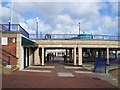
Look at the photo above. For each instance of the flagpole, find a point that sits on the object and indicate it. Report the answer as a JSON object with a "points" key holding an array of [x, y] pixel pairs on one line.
{"points": [[79, 27], [11, 14]]}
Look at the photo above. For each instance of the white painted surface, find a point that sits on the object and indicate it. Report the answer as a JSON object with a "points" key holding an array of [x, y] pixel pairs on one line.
{"points": [[65, 74], [86, 72], [70, 67], [39, 71], [4, 41], [42, 56], [8, 66], [21, 58], [42, 66]]}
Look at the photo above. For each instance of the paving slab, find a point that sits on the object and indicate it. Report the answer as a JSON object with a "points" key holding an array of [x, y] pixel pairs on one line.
{"points": [[65, 74], [39, 71]]}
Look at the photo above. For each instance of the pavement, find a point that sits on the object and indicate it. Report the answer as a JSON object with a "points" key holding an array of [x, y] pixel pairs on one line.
{"points": [[106, 76], [58, 75]]}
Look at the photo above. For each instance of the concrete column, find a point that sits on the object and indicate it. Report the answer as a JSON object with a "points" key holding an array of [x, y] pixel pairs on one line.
{"points": [[26, 57], [104, 54], [21, 58], [93, 54], [30, 56], [108, 56], [43, 56], [75, 56], [36, 53], [66, 54], [116, 54], [80, 56], [100, 53], [70, 54]]}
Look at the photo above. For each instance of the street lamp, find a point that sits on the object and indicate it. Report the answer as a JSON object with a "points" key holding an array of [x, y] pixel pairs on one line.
{"points": [[79, 27], [37, 29]]}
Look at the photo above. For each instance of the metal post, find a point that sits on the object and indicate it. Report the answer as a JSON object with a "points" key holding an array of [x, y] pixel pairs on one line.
{"points": [[105, 66], [79, 28], [9, 26], [36, 30], [8, 60]]}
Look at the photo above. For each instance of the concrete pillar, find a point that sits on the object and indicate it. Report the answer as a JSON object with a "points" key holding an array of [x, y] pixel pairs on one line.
{"points": [[100, 53], [21, 58], [108, 56], [93, 53], [66, 54], [70, 54], [30, 56], [43, 56], [80, 56], [75, 56], [116, 54], [104, 54], [36, 53], [40, 53]]}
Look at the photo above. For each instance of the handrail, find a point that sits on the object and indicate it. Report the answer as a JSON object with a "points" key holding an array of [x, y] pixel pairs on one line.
{"points": [[14, 28], [8, 61], [8, 53], [23, 31], [3, 59], [4, 54], [71, 36]]}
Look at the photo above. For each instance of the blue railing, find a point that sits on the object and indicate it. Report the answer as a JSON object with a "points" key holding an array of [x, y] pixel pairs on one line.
{"points": [[18, 28], [22, 30], [53, 36], [14, 28], [3, 28], [70, 36]]}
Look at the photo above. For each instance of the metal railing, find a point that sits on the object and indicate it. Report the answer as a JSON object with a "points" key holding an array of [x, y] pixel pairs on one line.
{"points": [[10, 58], [14, 28], [53, 36], [5, 59], [18, 28], [71, 36]]}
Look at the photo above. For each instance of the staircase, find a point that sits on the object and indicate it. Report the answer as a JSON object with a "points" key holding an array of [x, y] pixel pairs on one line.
{"points": [[8, 62]]}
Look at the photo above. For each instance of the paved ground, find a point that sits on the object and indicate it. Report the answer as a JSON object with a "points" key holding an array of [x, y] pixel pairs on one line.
{"points": [[106, 76], [54, 75]]}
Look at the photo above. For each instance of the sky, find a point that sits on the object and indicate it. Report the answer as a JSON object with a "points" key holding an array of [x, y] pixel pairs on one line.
{"points": [[99, 18]]}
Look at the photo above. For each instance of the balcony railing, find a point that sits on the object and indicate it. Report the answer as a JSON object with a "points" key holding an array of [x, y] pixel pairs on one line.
{"points": [[18, 28], [70, 36], [14, 28]]}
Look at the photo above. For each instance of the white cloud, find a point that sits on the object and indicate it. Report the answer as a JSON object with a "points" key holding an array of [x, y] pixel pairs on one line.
{"points": [[62, 17], [84, 9], [5, 12], [24, 25], [42, 27]]}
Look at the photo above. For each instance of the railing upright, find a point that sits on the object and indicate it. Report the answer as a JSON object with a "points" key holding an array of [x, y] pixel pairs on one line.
{"points": [[8, 60]]}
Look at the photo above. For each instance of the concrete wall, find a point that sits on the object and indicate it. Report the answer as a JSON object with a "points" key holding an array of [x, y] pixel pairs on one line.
{"points": [[18, 50], [76, 43], [10, 47]]}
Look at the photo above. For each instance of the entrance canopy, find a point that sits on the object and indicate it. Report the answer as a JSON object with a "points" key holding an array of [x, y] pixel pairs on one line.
{"points": [[28, 43]]}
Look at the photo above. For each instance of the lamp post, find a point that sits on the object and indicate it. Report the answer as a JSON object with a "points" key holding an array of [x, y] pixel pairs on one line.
{"points": [[40, 35], [9, 26], [79, 27], [36, 29]]}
